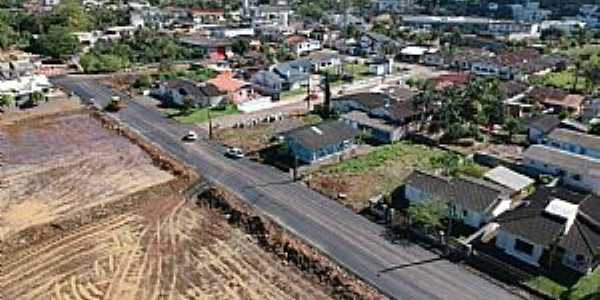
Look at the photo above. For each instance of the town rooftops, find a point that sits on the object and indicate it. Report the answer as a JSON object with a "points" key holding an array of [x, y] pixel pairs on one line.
{"points": [[509, 178], [319, 136], [584, 140], [470, 193], [556, 97], [203, 41], [364, 118], [544, 123], [565, 160]]}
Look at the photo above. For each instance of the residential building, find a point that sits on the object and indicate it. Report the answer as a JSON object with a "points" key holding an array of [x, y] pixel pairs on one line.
{"points": [[381, 66], [268, 83], [300, 45], [323, 60], [188, 93], [574, 170], [567, 26], [365, 102], [207, 16], [470, 200], [513, 94], [315, 143], [219, 48], [21, 88], [529, 12], [295, 73], [515, 182], [391, 122], [552, 220], [238, 91], [375, 43], [556, 99], [590, 15], [574, 142], [394, 6], [539, 126]]}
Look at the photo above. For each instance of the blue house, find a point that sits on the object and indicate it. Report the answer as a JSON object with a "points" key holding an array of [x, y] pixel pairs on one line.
{"points": [[574, 142], [311, 144], [294, 73], [268, 83]]}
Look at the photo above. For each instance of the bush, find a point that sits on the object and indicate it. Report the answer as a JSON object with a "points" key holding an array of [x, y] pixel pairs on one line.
{"points": [[143, 81]]}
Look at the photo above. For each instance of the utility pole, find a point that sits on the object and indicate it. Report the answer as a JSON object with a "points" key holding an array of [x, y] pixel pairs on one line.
{"points": [[210, 132], [308, 94]]}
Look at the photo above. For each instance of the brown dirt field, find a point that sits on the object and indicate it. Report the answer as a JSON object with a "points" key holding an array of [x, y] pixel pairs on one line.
{"points": [[53, 106], [53, 167], [151, 245]]}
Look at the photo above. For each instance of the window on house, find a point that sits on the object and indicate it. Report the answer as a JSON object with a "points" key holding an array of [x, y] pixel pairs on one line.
{"points": [[523, 247], [576, 177], [465, 213]]}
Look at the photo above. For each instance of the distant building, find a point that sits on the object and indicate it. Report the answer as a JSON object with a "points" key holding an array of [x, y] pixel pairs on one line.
{"points": [[574, 170], [529, 12]]}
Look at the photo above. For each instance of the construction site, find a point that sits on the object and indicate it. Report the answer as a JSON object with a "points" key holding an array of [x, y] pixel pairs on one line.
{"points": [[89, 211]]}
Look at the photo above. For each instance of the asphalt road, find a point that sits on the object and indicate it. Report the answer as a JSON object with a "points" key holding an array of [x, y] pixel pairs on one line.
{"points": [[398, 271]]}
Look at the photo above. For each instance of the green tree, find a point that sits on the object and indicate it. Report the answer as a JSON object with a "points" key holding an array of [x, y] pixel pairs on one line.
{"points": [[143, 81], [7, 101], [35, 98], [428, 214], [512, 126], [57, 43], [240, 46], [8, 37], [448, 163], [71, 15]]}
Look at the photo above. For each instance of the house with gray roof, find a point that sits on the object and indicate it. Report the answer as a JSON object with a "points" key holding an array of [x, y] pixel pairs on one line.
{"points": [[311, 144], [574, 170], [472, 201], [552, 219], [268, 83], [574, 141], [185, 92], [295, 73]]}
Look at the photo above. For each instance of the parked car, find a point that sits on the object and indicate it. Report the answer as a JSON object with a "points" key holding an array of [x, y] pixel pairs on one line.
{"points": [[234, 153], [190, 136]]}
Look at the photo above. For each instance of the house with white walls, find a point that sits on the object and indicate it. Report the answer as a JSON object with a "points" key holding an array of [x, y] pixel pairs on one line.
{"points": [[472, 201]]}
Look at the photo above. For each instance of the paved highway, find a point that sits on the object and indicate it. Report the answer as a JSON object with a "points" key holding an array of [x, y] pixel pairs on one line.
{"points": [[352, 241]]}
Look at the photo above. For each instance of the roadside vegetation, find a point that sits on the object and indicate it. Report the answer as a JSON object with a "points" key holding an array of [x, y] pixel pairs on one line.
{"points": [[199, 115]]}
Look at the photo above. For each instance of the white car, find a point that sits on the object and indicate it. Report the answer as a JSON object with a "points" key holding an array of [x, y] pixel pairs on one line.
{"points": [[190, 136], [234, 153]]}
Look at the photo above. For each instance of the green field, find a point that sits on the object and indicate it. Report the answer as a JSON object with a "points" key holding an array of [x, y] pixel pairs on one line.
{"points": [[199, 115]]}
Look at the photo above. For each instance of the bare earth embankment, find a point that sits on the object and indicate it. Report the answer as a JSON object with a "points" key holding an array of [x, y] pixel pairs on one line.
{"points": [[86, 214]]}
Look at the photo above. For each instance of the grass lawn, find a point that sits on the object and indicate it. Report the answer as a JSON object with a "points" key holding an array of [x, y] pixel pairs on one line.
{"points": [[285, 95], [380, 171], [199, 115], [588, 287], [256, 138], [547, 286], [563, 80], [358, 71]]}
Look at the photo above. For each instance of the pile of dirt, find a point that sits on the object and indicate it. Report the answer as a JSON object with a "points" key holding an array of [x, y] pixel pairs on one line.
{"points": [[274, 239]]}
